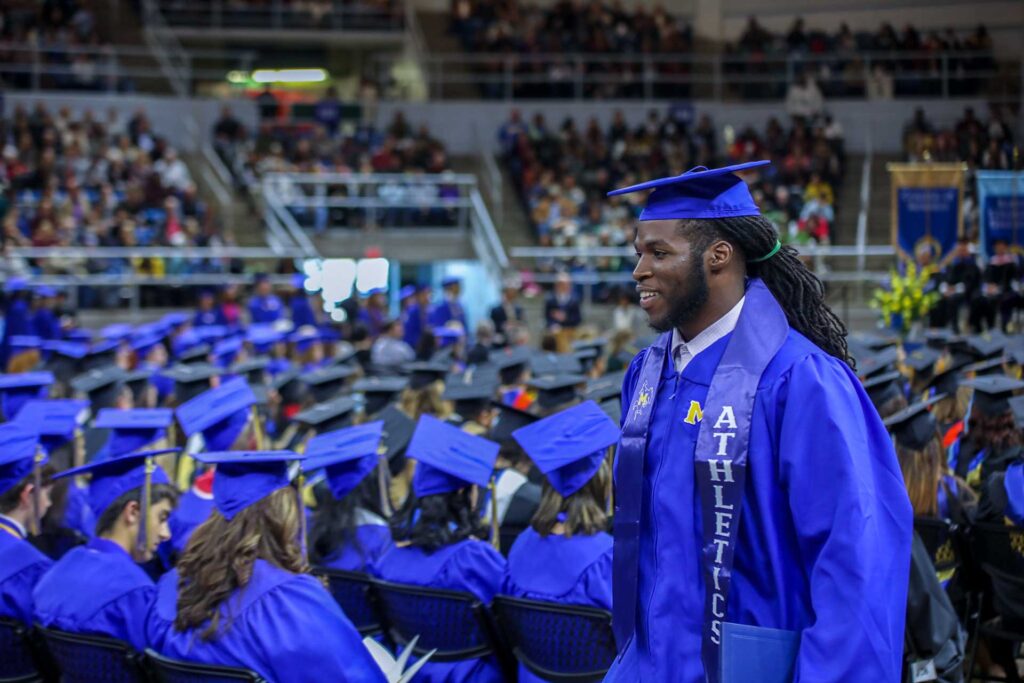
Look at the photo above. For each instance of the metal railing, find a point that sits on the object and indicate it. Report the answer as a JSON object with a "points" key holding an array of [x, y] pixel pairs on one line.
{"points": [[277, 15], [716, 77], [865, 200]]}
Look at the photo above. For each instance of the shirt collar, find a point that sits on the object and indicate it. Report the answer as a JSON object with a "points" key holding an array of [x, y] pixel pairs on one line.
{"points": [[15, 524], [710, 334]]}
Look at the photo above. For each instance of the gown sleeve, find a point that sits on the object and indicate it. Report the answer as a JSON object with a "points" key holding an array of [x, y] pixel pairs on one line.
{"points": [[128, 615], [596, 582], [478, 569], [853, 523], [311, 638]]}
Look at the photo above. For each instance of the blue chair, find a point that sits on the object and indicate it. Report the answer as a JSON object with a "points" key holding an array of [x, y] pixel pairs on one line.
{"points": [[167, 670], [353, 591], [17, 663], [559, 643], [453, 623], [87, 658]]}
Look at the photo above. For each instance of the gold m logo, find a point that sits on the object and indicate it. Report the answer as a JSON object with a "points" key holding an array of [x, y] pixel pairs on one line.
{"points": [[695, 414]]}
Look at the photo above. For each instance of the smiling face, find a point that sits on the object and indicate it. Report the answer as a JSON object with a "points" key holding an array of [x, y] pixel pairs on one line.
{"points": [[670, 276]]}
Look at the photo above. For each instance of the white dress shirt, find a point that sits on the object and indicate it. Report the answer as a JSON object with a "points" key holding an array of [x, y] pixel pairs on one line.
{"points": [[685, 351]]}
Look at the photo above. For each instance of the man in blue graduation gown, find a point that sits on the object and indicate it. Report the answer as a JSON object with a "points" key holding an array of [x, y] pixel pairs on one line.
{"points": [[757, 491], [264, 306], [416, 318], [99, 588], [21, 504], [449, 308]]}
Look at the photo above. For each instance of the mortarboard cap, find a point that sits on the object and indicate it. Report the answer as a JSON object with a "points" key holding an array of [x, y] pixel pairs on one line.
{"points": [[210, 333], [991, 392], [287, 384], [190, 380], [613, 409], [451, 280], [1017, 408], [406, 292], [305, 337], [877, 363], [326, 383], [874, 341], [554, 364], [263, 337], [117, 331], [131, 430], [20, 343], [922, 362], [914, 426], [114, 477], [16, 389], [19, 448], [947, 381], [15, 284], [66, 358], [100, 354], [254, 370], [54, 420], [348, 455], [992, 366], [883, 388], [699, 193], [225, 350], [396, 434], [448, 335], [556, 390], [329, 415], [605, 388], [511, 364], [985, 346], [422, 373], [220, 414], [101, 385], [199, 353], [144, 344], [174, 319], [569, 447], [508, 420], [449, 458], [247, 477], [471, 397], [379, 391], [597, 344]]}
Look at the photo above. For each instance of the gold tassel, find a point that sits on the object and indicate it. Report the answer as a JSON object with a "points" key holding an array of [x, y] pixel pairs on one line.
{"points": [[257, 426], [300, 481], [495, 537]]}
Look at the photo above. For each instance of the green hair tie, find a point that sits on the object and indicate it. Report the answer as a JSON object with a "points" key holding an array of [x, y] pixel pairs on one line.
{"points": [[773, 252]]}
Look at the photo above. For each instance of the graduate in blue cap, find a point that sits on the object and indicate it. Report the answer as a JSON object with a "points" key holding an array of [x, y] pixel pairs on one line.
{"points": [[350, 528], [208, 311], [241, 594], [264, 305], [444, 546], [24, 499], [17, 389], [99, 588], [566, 554], [45, 321], [17, 316], [374, 312], [756, 487], [449, 309], [416, 318], [132, 430], [299, 305]]}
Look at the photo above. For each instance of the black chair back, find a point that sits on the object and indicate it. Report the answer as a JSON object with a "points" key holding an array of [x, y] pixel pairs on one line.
{"points": [[167, 670], [940, 539], [454, 623], [559, 643], [1000, 546], [353, 591], [1007, 598], [86, 658], [17, 664]]}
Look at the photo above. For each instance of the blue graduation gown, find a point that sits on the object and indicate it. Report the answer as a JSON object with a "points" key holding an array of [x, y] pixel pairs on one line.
{"points": [[416, 319], [21, 566], [445, 312], [78, 515], [17, 321], [573, 571], [193, 509], [373, 539], [284, 626], [214, 316], [96, 588], [824, 538], [265, 309], [470, 565], [302, 312], [46, 324]]}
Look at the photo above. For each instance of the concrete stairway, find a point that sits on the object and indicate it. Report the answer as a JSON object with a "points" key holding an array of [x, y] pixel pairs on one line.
{"points": [[438, 40]]}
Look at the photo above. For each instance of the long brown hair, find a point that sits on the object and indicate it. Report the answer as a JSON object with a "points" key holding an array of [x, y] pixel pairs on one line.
{"points": [[220, 555], [584, 510], [922, 470], [996, 432], [952, 408]]}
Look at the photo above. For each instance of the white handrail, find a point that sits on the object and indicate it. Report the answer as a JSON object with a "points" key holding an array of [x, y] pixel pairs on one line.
{"points": [[865, 200], [101, 253]]}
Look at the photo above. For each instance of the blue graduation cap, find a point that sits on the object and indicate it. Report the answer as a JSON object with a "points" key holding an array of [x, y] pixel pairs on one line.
{"points": [[20, 343], [570, 446], [100, 353], [144, 344], [117, 331], [406, 292], [349, 455], [74, 350], [79, 334], [184, 341], [130, 430], [247, 477], [225, 350], [18, 388], [304, 337], [263, 337], [19, 453], [699, 193], [15, 284], [114, 477], [220, 414], [211, 333], [449, 458], [175, 319], [448, 335], [451, 280], [46, 292], [54, 420]]}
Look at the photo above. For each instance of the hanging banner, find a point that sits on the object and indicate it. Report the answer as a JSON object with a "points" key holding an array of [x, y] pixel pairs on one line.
{"points": [[1001, 204], [927, 208]]}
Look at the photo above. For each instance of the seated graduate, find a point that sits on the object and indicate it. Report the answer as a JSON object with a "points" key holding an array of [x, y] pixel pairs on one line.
{"points": [[566, 554], [992, 440], [1002, 495], [350, 528], [24, 499], [241, 594], [934, 491], [99, 588], [516, 497], [443, 546]]}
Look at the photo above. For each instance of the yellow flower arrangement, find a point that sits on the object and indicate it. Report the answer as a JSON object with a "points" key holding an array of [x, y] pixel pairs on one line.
{"points": [[905, 299]]}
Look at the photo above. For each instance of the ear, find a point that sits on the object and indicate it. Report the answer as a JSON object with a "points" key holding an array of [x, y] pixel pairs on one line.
{"points": [[719, 255], [25, 497], [131, 513]]}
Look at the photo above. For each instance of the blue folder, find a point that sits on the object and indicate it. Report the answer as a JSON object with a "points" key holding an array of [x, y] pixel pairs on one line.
{"points": [[756, 653]]}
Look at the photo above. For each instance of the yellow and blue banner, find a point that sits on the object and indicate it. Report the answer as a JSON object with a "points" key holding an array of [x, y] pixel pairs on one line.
{"points": [[1001, 204], [927, 208]]}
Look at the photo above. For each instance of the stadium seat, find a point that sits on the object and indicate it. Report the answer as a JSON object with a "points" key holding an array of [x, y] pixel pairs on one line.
{"points": [[943, 543], [559, 643], [454, 623], [353, 591], [17, 664], [87, 658], [166, 670]]}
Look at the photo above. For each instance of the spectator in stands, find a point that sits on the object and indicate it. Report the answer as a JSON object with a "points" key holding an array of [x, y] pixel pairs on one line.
{"points": [[328, 112], [390, 352], [508, 311], [417, 316], [562, 308], [627, 316], [172, 171], [209, 312], [804, 100], [267, 104]]}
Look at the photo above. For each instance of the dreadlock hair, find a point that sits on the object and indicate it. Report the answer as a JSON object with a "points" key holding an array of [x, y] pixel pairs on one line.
{"points": [[799, 292]]}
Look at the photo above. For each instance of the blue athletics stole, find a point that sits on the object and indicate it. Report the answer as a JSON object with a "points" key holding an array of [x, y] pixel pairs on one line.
{"points": [[720, 460]]}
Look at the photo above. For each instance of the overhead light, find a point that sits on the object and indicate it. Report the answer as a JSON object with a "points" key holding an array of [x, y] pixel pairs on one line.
{"points": [[289, 75]]}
